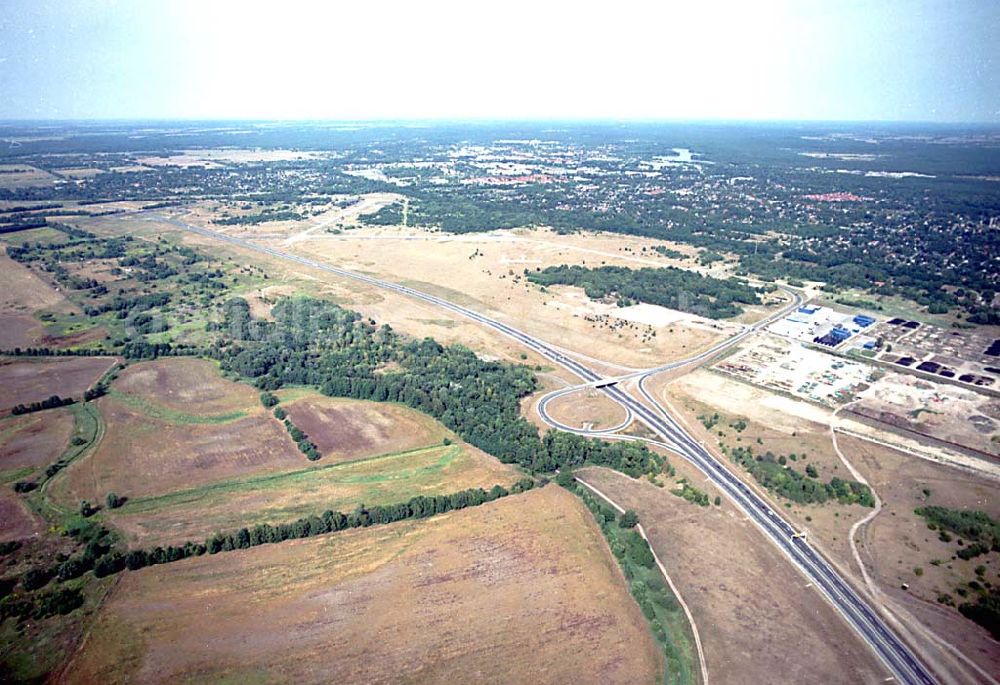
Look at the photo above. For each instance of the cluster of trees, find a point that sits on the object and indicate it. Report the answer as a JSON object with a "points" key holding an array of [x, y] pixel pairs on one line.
{"points": [[302, 441], [142, 350], [979, 534], [692, 494], [95, 543], [985, 611], [311, 342], [51, 403], [976, 527], [679, 289], [59, 601], [773, 473], [124, 305], [15, 224]]}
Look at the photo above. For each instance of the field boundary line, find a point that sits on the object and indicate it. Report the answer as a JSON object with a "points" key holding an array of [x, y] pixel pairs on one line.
{"points": [[673, 588], [269, 477]]}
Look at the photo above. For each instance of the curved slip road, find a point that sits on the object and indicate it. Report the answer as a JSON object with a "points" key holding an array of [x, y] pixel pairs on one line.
{"points": [[896, 655]]}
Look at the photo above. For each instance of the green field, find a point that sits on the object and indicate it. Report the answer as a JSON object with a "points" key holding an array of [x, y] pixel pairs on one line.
{"points": [[381, 479], [161, 413]]}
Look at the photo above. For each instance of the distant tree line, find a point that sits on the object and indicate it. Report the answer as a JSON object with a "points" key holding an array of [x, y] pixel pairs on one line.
{"points": [[671, 287]]}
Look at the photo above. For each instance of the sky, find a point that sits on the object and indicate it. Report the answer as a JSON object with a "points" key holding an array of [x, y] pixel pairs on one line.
{"points": [[867, 60]]}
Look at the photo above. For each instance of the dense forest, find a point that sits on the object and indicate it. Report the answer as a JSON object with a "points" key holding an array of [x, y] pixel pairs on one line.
{"points": [[671, 287], [312, 342]]}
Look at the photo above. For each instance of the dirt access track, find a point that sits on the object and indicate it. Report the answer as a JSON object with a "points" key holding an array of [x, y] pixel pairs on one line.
{"points": [[523, 589], [756, 614]]}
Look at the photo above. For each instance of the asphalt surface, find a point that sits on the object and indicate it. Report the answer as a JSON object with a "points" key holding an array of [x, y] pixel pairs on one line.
{"points": [[896, 655]]}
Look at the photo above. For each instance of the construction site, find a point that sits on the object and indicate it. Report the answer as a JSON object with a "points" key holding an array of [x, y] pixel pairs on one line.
{"points": [[791, 367]]}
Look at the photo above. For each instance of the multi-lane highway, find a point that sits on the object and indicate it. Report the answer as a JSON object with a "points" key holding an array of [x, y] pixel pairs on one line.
{"points": [[893, 652]]}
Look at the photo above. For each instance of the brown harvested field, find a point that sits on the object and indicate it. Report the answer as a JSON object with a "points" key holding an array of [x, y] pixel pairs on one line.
{"points": [[344, 429], [192, 386], [34, 440], [754, 611], [587, 408], [519, 590], [19, 330], [142, 456], [32, 380], [18, 521], [898, 541]]}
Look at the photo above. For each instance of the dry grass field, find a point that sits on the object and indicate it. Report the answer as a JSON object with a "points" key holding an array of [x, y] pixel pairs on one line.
{"points": [[776, 424], [587, 408], [141, 455], [31, 380], [520, 590], [22, 293], [897, 542], [24, 176], [484, 272], [756, 614]]}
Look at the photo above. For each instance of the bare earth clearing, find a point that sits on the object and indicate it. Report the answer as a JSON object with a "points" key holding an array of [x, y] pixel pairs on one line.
{"points": [[755, 613], [520, 590]]}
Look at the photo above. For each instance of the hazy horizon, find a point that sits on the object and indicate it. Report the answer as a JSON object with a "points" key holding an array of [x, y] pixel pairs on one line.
{"points": [[777, 61]]}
